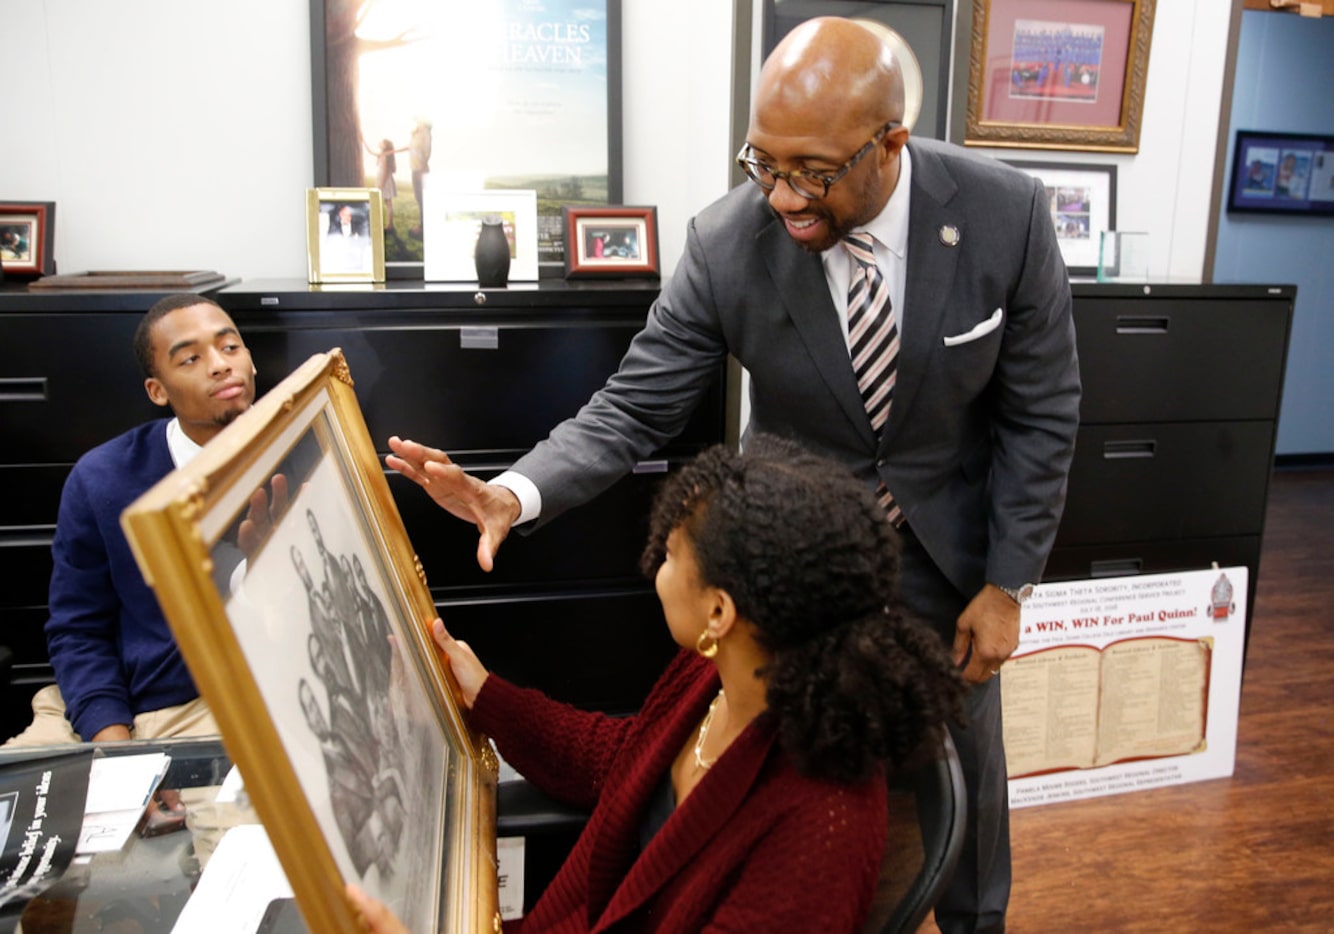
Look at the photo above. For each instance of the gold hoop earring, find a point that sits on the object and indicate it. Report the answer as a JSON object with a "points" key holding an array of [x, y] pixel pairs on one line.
{"points": [[709, 651]]}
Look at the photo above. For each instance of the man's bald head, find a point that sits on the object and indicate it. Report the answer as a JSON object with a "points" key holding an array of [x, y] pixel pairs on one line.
{"points": [[833, 71]]}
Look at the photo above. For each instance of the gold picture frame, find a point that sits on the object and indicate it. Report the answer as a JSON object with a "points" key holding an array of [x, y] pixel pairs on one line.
{"points": [[345, 234], [283, 568], [1069, 75]]}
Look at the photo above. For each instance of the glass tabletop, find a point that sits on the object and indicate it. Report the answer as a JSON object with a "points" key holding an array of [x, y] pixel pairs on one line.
{"points": [[143, 886]]}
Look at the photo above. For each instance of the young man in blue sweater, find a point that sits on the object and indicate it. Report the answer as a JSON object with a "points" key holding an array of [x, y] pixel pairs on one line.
{"points": [[118, 672]]}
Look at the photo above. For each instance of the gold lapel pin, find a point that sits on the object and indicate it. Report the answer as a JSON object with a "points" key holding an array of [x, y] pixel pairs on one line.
{"points": [[949, 235]]}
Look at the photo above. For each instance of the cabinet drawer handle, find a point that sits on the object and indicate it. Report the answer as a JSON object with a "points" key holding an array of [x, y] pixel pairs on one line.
{"points": [[1119, 567], [657, 466], [1141, 324], [23, 389], [1120, 450], [484, 338]]}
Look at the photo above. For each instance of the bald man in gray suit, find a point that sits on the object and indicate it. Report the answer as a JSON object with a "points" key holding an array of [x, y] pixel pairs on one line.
{"points": [[985, 401]]}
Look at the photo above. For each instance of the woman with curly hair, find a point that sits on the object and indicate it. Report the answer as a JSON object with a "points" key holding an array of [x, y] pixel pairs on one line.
{"points": [[749, 791]]}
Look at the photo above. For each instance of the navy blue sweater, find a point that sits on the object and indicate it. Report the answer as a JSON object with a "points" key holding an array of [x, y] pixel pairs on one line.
{"points": [[113, 653]]}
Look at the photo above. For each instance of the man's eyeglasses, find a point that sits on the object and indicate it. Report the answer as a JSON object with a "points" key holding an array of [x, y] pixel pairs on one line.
{"points": [[810, 185]]}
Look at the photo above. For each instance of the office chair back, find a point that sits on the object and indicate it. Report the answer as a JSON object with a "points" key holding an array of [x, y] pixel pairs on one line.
{"points": [[927, 808]]}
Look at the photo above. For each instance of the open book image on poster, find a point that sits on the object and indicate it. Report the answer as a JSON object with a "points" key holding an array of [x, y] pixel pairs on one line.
{"points": [[1079, 706]]}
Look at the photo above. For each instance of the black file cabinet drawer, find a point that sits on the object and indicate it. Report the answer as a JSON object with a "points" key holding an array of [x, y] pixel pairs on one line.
{"points": [[1174, 481], [599, 542], [599, 650], [1080, 562], [68, 382], [1175, 358], [27, 561]]}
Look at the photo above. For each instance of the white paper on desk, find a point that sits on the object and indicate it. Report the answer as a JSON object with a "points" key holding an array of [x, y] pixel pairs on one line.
{"points": [[119, 788], [242, 876]]}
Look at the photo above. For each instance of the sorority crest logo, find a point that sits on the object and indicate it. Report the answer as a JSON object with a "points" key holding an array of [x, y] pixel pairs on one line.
{"points": [[1221, 604]]}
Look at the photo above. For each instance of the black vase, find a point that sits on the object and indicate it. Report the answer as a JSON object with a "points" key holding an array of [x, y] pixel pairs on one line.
{"points": [[492, 255]]}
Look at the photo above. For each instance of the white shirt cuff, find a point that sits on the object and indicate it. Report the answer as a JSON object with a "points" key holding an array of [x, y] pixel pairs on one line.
{"points": [[530, 499]]}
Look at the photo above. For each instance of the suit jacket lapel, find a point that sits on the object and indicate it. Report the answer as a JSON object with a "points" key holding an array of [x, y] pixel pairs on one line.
{"points": [[800, 280], [931, 267]]}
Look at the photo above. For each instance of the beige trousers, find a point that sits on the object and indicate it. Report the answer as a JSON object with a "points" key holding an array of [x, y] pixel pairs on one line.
{"points": [[50, 726]]}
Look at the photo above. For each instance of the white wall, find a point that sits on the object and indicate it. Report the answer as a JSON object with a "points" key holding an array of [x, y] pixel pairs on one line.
{"points": [[176, 134], [1164, 189]]}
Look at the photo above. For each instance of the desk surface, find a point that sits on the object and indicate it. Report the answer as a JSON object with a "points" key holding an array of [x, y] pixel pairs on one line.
{"points": [[144, 886]]}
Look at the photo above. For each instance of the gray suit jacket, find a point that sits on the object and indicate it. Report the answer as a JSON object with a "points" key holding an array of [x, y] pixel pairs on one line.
{"points": [[982, 427]]}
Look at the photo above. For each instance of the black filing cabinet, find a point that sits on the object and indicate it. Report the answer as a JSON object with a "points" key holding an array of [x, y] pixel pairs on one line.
{"points": [[1182, 385], [483, 375]]}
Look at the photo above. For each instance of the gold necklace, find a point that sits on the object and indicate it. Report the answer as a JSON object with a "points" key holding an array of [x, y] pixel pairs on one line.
{"points": [[703, 734]]}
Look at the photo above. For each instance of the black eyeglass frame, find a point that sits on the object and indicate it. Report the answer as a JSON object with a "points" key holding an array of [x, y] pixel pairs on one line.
{"points": [[750, 165]]}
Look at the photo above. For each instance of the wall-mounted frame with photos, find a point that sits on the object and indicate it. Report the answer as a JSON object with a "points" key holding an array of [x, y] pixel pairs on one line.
{"points": [[27, 238], [1083, 207], [1058, 74], [1282, 173], [619, 242], [282, 565], [345, 234], [454, 219]]}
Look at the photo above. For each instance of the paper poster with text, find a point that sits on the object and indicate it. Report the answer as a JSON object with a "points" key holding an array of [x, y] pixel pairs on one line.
{"points": [[1123, 684]]}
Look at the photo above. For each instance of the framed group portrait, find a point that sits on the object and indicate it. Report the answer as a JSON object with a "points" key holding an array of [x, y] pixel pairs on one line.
{"points": [[1058, 74], [281, 563], [509, 94], [27, 238], [615, 242], [1082, 200], [344, 235]]}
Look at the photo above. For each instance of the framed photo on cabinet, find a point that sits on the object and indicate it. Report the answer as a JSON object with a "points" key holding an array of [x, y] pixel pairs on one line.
{"points": [[344, 235], [27, 238], [1058, 74], [618, 242], [454, 220], [282, 566]]}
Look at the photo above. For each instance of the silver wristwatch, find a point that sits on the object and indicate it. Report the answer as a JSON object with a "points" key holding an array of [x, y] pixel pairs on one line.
{"points": [[1018, 594]]}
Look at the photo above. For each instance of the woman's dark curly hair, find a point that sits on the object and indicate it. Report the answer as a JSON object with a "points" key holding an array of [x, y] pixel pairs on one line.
{"points": [[809, 558]]}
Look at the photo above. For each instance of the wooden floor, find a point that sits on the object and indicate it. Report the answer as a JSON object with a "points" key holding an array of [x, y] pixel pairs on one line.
{"points": [[1251, 853]]}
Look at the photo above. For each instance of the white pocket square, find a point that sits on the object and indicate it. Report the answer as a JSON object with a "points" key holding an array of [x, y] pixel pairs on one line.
{"points": [[982, 329]]}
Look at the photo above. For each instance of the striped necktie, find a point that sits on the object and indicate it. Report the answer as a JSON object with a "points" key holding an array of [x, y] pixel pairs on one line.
{"points": [[873, 342]]}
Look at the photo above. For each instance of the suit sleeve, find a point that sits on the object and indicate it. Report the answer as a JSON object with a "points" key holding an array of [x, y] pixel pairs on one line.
{"points": [[82, 633], [667, 370], [1036, 413]]}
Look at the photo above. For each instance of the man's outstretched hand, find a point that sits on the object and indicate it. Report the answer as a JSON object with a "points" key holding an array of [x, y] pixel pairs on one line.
{"points": [[491, 508]]}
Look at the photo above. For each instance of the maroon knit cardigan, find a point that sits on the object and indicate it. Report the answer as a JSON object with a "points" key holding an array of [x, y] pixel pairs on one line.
{"points": [[754, 847]]}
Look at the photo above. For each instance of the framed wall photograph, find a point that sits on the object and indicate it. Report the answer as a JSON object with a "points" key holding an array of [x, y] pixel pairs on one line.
{"points": [[27, 238], [1282, 173], [344, 235], [507, 94], [619, 242], [1058, 74], [283, 568], [454, 219], [1083, 207]]}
